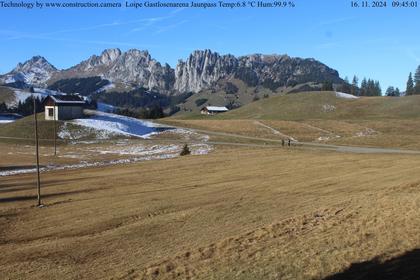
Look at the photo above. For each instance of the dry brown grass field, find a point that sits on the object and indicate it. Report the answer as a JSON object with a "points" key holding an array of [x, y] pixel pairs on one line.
{"points": [[392, 133], [236, 213], [250, 209]]}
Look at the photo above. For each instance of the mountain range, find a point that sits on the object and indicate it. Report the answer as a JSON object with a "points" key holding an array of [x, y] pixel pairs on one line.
{"points": [[202, 70]]}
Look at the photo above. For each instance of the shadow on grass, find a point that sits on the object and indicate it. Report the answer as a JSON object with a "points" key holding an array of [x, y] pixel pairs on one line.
{"points": [[404, 267], [18, 167], [11, 185], [34, 197]]}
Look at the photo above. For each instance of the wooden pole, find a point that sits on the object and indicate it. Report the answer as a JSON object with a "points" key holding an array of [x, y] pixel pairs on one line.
{"points": [[38, 182], [55, 133]]}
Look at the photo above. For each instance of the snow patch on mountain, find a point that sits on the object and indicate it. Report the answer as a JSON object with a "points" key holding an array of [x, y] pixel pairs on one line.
{"points": [[105, 88], [22, 95]]}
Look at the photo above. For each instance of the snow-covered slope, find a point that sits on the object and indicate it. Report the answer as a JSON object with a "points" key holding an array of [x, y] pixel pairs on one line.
{"points": [[7, 119], [106, 108], [107, 125], [22, 95]]}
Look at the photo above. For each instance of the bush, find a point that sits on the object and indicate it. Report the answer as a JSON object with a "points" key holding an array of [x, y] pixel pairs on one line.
{"points": [[185, 151]]}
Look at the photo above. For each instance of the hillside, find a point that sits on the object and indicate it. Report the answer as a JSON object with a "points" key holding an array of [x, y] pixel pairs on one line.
{"points": [[24, 129], [94, 126], [6, 95], [318, 117], [327, 105]]}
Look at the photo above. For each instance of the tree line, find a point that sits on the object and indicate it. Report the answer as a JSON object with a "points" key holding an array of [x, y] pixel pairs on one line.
{"points": [[413, 84], [24, 108], [368, 87]]}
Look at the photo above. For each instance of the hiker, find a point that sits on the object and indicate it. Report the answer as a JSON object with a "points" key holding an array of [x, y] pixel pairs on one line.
{"points": [[288, 143]]}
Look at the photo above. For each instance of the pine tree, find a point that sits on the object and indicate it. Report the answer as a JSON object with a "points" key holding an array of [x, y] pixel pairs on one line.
{"points": [[390, 91], [377, 89], [417, 81], [364, 87], [354, 85], [410, 85], [370, 87], [397, 92], [3, 108]]}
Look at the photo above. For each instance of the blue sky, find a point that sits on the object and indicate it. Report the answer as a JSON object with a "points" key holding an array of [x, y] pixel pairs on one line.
{"points": [[377, 43]]}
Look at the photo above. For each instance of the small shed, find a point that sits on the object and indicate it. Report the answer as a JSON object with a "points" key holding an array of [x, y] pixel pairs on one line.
{"points": [[63, 107], [212, 110]]}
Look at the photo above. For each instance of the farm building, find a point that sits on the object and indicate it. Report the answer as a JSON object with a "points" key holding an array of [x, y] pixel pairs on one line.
{"points": [[63, 107], [212, 110]]}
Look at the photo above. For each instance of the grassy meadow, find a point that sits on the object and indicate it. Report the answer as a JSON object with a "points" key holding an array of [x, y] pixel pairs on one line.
{"points": [[250, 209], [320, 117], [213, 217]]}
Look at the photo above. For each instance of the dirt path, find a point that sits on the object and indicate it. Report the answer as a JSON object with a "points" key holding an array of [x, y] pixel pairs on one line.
{"points": [[320, 129], [275, 131], [337, 148]]}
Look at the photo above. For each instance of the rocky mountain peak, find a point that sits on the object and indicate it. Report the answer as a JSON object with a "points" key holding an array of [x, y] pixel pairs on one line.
{"points": [[36, 63], [110, 55], [131, 67], [35, 71], [203, 69]]}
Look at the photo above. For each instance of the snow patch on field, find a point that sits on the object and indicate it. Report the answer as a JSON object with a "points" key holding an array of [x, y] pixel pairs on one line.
{"points": [[100, 126], [84, 164], [365, 132], [327, 138], [328, 108], [7, 119], [77, 133], [345, 95], [139, 153], [107, 125]]}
